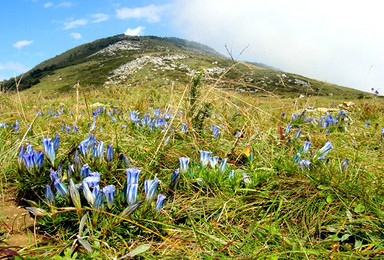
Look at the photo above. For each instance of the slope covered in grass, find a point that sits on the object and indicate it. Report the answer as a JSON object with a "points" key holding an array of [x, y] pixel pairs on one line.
{"points": [[277, 196], [154, 61]]}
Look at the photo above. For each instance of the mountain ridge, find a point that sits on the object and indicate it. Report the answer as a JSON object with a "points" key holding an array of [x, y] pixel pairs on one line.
{"points": [[123, 60]]}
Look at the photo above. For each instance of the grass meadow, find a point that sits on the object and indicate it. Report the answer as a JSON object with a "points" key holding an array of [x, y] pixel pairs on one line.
{"points": [[193, 172]]}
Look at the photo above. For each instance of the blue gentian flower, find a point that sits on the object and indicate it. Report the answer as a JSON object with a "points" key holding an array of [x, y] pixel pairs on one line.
{"points": [[329, 120], [204, 158], [29, 160], [324, 150], [56, 143], [49, 197], [49, 150], [213, 161], [93, 126], [307, 145], [174, 178], [288, 129], [83, 149], [92, 181], [184, 161], [294, 116], [86, 146], [298, 133], [20, 158], [157, 113], [345, 164], [150, 187], [30, 149], [223, 165], [231, 175], [109, 192], [159, 203], [109, 153], [335, 120], [84, 172], [215, 132], [98, 151], [134, 115], [133, 175], [53, 175], [146, 120], [166, 140], [246, 178], [131, 193], [304, 164], [124, 160], [167, 116], [98, 203], [60, 187], [132, 184], [184, 127], [39, 160], [137, 122], [160, 123]]}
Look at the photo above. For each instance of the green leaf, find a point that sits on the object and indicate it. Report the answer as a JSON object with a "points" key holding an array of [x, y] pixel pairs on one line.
{"points": [[82, 223], [349, 215], [359, 208], [358, 243], [85, 244], [329, 198], [345, 237], [138, 250]]}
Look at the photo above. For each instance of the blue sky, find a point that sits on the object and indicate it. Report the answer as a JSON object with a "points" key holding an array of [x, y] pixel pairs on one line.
{"points": [[335, 41]]}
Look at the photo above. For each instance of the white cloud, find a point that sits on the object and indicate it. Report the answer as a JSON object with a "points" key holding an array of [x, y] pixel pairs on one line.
{"points": [[152, 13], [13, 66], [336, 41], [65, 4], [76, 36], [61, 4], [21, 44], [75, 24], [136, 31], [100, 17], [48, 4]]}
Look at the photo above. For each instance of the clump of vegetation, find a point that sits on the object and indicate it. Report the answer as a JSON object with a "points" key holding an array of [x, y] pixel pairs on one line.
{"points": [[123, 172]]}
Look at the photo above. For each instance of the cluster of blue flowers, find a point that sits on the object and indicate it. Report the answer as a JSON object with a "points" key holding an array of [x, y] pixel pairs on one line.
{"points": [[89, 180], [15, 126], [91, 148], [303, 154], [206, 160], [31, 159], [90, 186], [324, 122]]}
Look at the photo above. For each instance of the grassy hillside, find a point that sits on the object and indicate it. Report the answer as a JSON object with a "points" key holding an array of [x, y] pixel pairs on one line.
{"points": [[271, 194], [156, 61]]}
